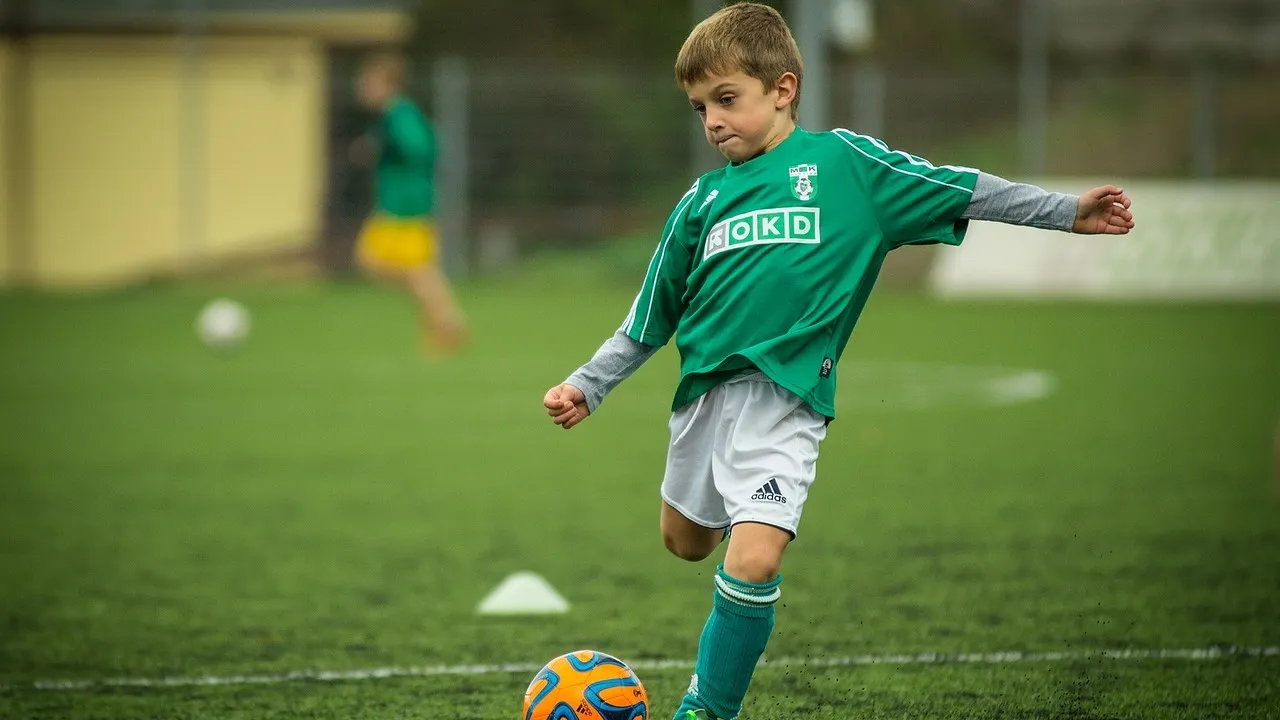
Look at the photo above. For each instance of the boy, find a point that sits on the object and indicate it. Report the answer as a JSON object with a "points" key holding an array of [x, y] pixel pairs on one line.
{"points": [[761, 272], [398, 241]]}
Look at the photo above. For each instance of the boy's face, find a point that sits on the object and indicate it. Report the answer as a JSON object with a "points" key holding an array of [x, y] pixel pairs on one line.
{"points": [[741, 118], [373, 88]]}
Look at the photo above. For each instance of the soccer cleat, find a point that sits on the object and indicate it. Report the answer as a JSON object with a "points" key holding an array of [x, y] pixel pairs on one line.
{"points": [[696, 715]]}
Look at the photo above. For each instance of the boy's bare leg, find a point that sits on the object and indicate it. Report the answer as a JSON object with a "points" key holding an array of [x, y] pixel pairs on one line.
{"points": [[374, 270], [686, 539], [755, 552], [439, 316], [741, 621], [442, 317]]}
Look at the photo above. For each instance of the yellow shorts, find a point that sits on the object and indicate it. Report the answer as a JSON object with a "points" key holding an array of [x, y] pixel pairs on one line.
{"points": [[392, 243]]}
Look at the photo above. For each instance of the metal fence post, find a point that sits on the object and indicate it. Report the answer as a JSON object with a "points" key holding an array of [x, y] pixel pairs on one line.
{"points": [[1204, 140], [701, 157], [811, 21], [450, 84], [1033, 95], [868, 97]]}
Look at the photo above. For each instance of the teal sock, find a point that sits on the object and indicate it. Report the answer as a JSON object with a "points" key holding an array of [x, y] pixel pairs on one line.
{"points": [[731, 644]]}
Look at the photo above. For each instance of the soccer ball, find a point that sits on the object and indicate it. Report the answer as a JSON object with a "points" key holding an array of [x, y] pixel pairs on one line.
{"points": [[223, 323], [586, 685]]}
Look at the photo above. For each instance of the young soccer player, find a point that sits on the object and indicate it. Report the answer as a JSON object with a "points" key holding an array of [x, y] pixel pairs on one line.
{"points": [[398, 241], [760, 273]]}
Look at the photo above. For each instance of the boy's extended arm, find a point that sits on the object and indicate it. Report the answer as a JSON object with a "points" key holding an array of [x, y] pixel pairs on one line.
{"points": [[1000, 200], [615, 361]]}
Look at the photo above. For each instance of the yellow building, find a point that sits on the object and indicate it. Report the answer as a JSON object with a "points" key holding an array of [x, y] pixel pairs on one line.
{"points": [[8, 163], [126, 156]]}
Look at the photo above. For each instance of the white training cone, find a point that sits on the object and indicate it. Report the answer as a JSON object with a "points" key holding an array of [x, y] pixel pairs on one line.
{"points": [[524, 593]]}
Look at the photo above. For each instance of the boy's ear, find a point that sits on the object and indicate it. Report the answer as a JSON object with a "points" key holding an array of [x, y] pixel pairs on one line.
{"points": [[786, 87]]}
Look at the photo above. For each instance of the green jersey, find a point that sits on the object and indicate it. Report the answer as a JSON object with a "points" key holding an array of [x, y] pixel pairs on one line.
{"points": [[767, 264], [406, 161]]}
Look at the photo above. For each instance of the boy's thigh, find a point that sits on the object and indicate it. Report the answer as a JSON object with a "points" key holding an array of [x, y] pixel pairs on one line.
{"points": [[688, 485], [686, 538], [766, 458]]}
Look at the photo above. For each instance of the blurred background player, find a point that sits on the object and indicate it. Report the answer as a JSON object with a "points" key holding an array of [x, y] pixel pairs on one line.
{"points": [[399, 241]]}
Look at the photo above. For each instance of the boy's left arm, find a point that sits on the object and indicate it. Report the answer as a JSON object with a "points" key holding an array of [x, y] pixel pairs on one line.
{"points": [[1101, 211]]}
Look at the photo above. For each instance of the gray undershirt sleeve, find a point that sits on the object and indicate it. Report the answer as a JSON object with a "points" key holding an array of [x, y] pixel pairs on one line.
{"points": [[995, 198], [615, 361]]}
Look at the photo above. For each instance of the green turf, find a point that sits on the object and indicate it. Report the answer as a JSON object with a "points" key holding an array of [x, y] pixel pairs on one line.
{"points": [[325, 498]]}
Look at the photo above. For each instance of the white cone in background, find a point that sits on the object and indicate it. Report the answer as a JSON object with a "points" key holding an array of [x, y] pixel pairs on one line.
{"points": [[523, 593]]}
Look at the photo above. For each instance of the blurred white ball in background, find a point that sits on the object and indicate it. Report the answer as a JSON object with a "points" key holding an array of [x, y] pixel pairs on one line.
{"points": [[223, 323]]}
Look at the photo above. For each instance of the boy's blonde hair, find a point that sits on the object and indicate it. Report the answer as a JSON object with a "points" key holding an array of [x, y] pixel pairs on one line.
{"points": [[747, 37], [390, 64]]}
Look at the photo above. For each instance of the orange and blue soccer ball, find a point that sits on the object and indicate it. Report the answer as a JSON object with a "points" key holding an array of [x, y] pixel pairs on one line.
{"points": [[586, 685]]}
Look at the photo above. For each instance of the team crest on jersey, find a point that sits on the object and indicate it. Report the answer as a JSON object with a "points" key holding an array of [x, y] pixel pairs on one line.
{"points": [[802, 181]]}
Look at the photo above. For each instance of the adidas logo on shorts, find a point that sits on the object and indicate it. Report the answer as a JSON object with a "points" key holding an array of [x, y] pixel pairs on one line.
{"points": [[771, 492]]}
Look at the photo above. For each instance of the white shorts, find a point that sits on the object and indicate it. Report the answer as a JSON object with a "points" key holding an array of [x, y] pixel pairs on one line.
{"points": [[746, 451]]}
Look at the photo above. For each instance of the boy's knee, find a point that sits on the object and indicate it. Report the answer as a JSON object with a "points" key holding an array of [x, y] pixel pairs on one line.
{"points": [[755, 552], [758, 565]]}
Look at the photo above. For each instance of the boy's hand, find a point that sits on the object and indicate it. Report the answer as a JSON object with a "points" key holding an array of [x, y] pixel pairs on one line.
{"points": [[566, 405], [364, 151], [1103, 211]]}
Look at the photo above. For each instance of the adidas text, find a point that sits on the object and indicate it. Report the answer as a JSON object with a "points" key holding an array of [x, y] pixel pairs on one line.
{"points": [[770, 491], [769, 496]]}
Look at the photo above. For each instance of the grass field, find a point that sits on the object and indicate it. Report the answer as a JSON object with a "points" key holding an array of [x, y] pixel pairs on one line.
{"points": [[326, 499]]}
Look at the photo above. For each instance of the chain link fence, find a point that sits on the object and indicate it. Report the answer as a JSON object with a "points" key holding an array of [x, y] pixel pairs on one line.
{"points": [[561, 153], [568, 156]]}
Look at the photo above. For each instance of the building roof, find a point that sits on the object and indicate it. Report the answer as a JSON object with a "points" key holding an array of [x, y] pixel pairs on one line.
{"points": [[335, 20]]}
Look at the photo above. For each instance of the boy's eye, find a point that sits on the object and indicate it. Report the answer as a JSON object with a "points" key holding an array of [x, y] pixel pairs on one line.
{"points": [[726, 100], [700, 109]]}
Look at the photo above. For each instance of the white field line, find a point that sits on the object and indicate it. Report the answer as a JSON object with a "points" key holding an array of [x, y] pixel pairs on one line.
{"points": [[658, 665]]}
